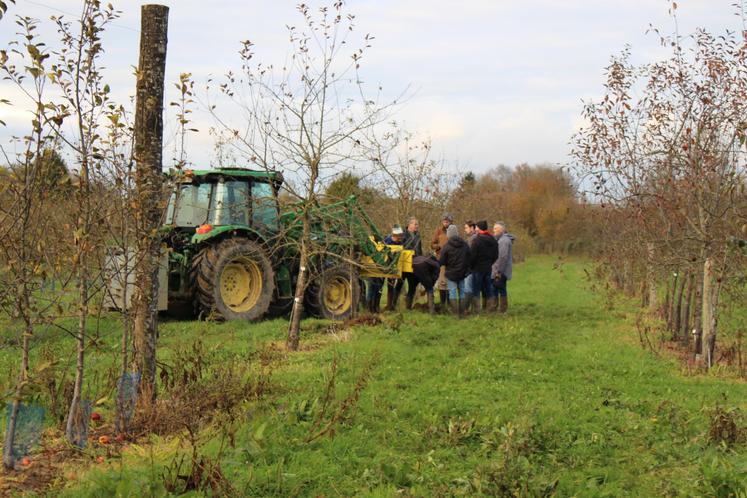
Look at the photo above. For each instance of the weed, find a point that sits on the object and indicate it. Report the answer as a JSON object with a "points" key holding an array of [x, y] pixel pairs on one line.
{"points": [[326, 425], [725, 426]]}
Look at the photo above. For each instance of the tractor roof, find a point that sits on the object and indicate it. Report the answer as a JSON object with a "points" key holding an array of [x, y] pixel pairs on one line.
{"points": [[274, 176]]}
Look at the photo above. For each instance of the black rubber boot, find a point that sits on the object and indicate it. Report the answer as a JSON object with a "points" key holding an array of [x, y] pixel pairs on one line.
{"points": [[467, 307], [503, 307], [431, 304], [443, 300], [389, 300], [408, 302], [454, 307], [492, 304], [395, 300]]}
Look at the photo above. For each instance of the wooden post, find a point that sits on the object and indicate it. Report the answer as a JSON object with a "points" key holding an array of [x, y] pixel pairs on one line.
{"points": [[149, 181]]}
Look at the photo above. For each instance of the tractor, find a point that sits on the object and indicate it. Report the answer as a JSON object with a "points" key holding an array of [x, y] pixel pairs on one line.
{"points": [[232, 255]]}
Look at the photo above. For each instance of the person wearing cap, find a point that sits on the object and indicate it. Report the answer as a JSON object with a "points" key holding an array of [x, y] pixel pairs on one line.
{"points": [[394, 285], [438, 241], [483, 255], [412, 243], [455, 260]]}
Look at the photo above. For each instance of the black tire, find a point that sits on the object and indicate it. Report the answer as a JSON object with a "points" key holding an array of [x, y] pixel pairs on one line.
{"points": [[334, 294], [220, 264]]}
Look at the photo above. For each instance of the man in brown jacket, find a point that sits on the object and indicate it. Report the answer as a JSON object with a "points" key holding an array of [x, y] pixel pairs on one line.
{"points": [[437, 242]]}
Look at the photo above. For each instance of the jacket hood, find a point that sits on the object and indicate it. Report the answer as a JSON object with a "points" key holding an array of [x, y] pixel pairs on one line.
{"points": [[457, 241], [509, 235]]}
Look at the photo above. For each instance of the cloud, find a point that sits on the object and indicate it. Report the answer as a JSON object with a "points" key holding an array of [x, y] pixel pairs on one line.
{"points": [[496, 81]]}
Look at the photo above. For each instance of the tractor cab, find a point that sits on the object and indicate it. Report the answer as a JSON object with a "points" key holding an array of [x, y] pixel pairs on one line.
{"points": [[205, 200]]}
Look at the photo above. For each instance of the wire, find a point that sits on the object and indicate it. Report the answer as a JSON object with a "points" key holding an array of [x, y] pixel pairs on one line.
{"points": [[39, 4]]}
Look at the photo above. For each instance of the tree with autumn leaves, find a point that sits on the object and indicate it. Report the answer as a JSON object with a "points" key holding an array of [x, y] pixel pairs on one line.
{"points": [[664, 153]]}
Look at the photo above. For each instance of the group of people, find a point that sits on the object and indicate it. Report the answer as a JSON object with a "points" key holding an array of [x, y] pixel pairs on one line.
{"points": [[470, 272]]}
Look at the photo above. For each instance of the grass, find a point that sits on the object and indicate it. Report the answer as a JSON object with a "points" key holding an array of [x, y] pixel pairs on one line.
{"points": [[555, 398]]}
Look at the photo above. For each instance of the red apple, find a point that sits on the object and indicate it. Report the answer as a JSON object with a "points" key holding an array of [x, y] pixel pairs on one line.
{"points": [[95, 416]]}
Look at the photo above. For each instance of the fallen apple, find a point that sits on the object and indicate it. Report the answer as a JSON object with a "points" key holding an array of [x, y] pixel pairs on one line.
{"points": [[121, 438], [25, 461], [104, 440], [95, 416]]}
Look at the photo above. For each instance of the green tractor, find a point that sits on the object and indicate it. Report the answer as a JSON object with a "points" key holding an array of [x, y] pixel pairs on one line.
{"points": [[232, 254]]}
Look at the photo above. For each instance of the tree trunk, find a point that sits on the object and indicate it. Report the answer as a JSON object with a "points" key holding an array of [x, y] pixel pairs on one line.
{"points": [[677, 314], [709, 332], [651, 279], [685, 320], [294, 329], [148, 178], [10, 431], [667, 299], [697, 316], [80, 340], [672, 301]]}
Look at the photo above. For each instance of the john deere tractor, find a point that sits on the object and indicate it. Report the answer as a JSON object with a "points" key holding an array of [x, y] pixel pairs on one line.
{"points": [[232, 255]]}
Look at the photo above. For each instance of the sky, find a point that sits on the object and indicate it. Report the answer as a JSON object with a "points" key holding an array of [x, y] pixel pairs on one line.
{"points": [[490, 81]]}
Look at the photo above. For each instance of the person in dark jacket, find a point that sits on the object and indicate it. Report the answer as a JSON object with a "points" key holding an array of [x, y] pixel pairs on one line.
{"points": [[394, 285], [412, 242], [484, 252], [425, 269], [455, 259], [502, 270]]}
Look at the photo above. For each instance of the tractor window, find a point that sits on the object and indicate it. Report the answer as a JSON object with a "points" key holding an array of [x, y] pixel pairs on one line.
{"points": [[192, 203], [264, 206], [231, 203]]}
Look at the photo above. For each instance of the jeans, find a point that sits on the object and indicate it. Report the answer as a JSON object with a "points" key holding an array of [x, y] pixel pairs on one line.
{"points": [[454, 286], [499, 286], [482, 283]]}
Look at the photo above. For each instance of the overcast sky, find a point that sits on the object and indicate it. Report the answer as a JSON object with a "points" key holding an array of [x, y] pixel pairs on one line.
{"points": [[495, 82]]}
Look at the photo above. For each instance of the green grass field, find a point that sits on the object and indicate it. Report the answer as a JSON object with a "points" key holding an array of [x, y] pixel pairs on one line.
{"points": [[554, 399]]}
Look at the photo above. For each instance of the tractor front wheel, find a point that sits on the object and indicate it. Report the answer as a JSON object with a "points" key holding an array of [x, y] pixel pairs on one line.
{"points": [[334, 293], [233, 280]]}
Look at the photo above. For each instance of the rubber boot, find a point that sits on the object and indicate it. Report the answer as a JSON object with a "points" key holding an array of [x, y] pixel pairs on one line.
{"points": [[503, 307], [443, 298], [492, 304], [389, 300], [408, 302], [395, 300], [431, 304], [483, 305], [454, 308], [468, 301]]}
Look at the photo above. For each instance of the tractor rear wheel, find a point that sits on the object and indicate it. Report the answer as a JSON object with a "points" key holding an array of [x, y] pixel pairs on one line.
{"points": [[233, 280], [334, 293]]}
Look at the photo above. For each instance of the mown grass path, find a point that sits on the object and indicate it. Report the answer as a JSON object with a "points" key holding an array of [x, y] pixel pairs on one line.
{"points": [[554, 398]]}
